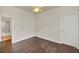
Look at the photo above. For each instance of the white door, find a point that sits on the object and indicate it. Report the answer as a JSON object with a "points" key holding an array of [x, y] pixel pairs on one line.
{"points": [[68, 29]]}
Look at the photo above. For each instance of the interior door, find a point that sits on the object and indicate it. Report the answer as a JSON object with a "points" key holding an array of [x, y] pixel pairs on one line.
{"points": [[68, 29]]}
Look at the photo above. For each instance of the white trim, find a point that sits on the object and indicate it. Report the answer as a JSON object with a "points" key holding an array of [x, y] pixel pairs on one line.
{"points": [[76, 26], [0, 27], [43, 38], [21, 39], [56, 41], [50, 39]]}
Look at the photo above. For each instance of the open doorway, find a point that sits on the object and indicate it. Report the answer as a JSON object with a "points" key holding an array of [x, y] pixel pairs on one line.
{"points": [[6, 31]]}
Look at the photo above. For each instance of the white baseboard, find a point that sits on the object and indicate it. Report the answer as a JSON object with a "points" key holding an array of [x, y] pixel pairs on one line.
{"points": [[55, 41], [42, 38], [22, 39], [77, 47], [49, 39]]}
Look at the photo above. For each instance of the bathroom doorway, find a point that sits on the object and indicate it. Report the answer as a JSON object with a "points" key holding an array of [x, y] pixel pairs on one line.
{"points": [[6, 31]]}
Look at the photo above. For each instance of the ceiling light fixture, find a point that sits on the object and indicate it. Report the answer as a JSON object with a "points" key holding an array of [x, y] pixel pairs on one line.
{"points": [[36, 9]]}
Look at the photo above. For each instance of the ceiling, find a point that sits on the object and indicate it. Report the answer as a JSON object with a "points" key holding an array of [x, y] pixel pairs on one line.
{"points": [[29, 8]]}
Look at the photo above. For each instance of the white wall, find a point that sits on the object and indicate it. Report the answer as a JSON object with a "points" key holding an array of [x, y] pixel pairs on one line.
{"points": [[49, 23], [78, 26], [22, 23], [35, 24], [0, 22], [45, 25]]}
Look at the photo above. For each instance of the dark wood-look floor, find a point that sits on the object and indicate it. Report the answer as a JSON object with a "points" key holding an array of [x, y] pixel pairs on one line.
{"points": [[36, 45]]}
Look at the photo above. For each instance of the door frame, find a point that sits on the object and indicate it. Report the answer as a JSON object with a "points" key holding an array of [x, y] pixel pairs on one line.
{"points": [[76, 28], [10, 26]]}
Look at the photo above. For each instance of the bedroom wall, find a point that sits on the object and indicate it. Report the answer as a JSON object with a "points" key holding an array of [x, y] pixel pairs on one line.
{"points": [[78, 26], [45, 25], [49, 23], [22, 23], [0, 22]]}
